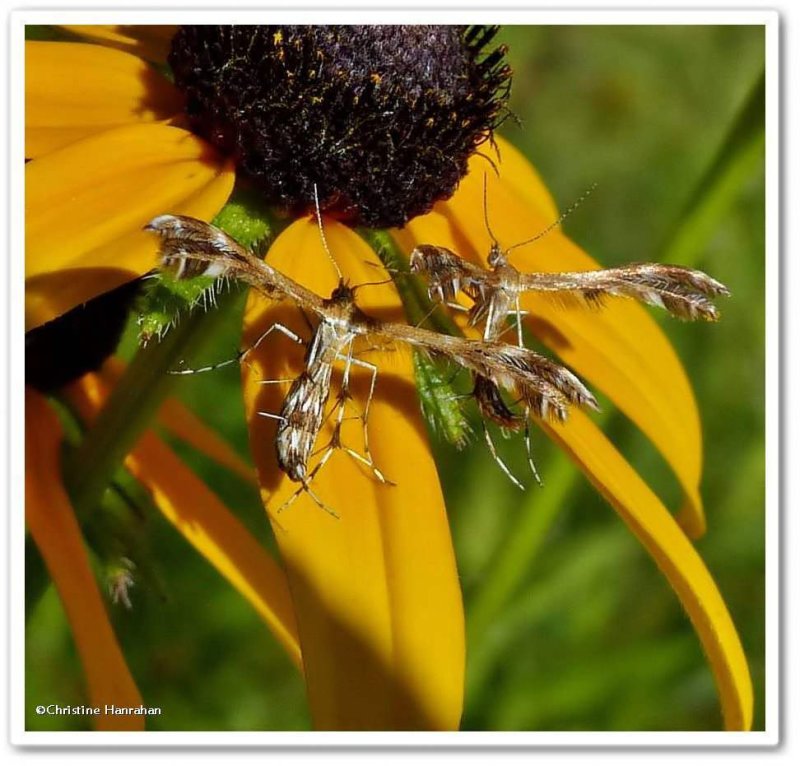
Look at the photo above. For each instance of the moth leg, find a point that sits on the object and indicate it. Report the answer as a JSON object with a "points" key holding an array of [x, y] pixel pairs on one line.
{"points": [[305, 486], [497, 459], [272, 415], [280, 328], [367, 458], [274, 381], [529, 451], [322, 505], [518, 317], [242, 354], [313, 495], [507, 329], [327, 450], [516, 324]]}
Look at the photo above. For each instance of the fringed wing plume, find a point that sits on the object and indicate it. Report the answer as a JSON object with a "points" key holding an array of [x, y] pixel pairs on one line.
{"points": [[542, 385], [522, 378], [192, 248], [685, 293], [446, 273]]}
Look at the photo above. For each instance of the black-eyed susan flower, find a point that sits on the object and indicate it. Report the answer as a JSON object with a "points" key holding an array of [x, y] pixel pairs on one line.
{"points": [[386, 123]]}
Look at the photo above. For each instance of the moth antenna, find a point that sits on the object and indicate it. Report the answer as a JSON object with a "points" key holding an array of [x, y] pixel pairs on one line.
{"points": [[371, 284], [388, 269], [493, 143], [427, 316], [322, 234], [486, 210], [489, 159], [571, 209]]}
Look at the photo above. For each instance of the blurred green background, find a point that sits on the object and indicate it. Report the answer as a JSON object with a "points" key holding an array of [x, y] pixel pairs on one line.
{"points": [[571, 626]]}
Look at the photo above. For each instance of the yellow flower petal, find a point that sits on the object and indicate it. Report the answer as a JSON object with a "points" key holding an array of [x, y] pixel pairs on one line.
{"points": [[74, 90], [203, 520], [55, 531], [86, 205], [150, 41], [522, 178], [650, 521], [376, 591], [619, 349]]}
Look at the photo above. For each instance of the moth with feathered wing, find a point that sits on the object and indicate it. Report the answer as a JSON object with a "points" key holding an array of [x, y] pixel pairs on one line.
{"points": [[190, 247], [495, 293]]}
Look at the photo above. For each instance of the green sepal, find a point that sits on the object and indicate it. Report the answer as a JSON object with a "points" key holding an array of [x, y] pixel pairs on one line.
{"points": [[164, 300], [440, 402], [248, 220]]}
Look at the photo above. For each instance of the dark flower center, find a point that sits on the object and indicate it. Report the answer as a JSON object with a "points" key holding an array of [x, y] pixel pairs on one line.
{"points": [[381, 118]]}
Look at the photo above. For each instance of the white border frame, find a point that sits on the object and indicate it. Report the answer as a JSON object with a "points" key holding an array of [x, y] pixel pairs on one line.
{"points": [[367, 14]]}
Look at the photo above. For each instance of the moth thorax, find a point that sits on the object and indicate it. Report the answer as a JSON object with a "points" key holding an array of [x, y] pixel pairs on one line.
{"points": [[497, 257]]}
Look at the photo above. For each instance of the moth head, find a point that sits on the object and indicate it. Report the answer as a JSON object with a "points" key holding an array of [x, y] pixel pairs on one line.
{"points": [[497, 256], [342, 293]]}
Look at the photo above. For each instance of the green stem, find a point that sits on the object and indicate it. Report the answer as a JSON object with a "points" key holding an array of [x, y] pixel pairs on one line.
{"points": [[419, 309], [440, 404], [517, 552], [131, 407], [91, 466], [136, 398]]}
